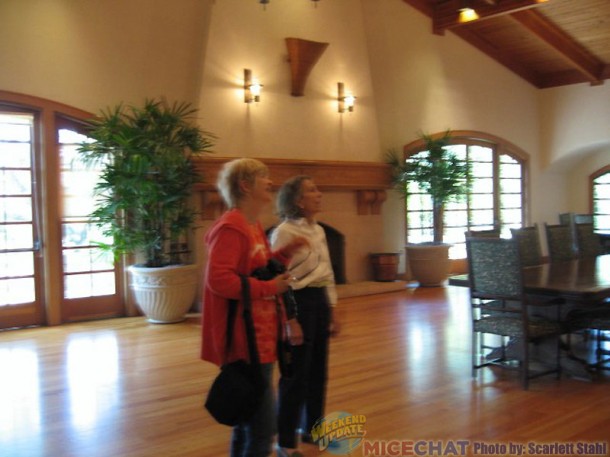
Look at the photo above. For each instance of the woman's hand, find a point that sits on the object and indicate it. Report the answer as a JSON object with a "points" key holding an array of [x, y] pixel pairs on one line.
{"points": [[282, 282], [294, 332]]}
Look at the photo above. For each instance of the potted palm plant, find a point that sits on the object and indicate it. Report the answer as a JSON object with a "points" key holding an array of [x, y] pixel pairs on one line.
{"points": [[443, 177], [143, 197]]}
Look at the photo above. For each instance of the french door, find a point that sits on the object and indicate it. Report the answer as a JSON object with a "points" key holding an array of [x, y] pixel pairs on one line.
{"points": [[20, 244], [51, 268], [90, 281]]}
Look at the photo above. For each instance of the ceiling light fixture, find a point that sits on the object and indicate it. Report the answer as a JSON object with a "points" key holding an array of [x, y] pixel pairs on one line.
{"points": [[467, 14]]}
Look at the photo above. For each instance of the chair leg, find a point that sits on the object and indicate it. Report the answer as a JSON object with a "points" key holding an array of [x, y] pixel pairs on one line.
{"points": [[475, 352], [558, 357], [525, 367]]}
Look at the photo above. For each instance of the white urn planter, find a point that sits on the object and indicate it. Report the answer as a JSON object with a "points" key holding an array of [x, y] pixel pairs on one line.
{"points": [[429, 263], [164, 294]]}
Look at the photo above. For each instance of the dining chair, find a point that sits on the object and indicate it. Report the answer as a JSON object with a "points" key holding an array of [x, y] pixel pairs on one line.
{"points": [[501, 308], [588, 243], [528, 240], [560, 242], [596, 320], [493, 233], [574, 219]]}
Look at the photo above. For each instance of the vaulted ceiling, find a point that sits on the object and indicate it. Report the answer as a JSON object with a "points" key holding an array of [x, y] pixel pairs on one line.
{"points": [[548, 43]]}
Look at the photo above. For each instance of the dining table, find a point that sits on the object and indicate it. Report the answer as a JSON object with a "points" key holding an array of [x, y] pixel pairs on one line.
{"points": [[582, 282]]}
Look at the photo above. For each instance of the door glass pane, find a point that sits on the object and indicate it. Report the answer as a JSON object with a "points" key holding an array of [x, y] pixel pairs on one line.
{"points": [[18, 236], [17, 291], [81, 260], [16, 182], [89, 285], [17, 242], [16, 209], [17, 263], [88, 271]]}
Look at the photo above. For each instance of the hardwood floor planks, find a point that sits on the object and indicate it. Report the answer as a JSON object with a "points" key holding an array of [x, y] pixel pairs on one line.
{"points": [[126, 388]]}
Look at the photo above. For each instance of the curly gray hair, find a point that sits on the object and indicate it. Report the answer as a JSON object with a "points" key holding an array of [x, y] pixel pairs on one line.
{"points": [[289, 195]]}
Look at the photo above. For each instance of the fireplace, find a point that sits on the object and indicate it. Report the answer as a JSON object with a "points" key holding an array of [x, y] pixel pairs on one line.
{"points": [[336, 249]]}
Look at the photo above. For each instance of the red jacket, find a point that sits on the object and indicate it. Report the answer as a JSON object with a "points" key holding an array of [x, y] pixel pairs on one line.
{"points": [[231, 252]]}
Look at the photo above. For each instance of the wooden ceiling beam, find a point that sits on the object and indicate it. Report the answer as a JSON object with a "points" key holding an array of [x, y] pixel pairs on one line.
{"points": [[499, 56], [446, 15], [583, 61], [423, 6]]}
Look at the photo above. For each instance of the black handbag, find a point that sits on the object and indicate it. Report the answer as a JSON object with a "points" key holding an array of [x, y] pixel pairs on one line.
{"points": [[238, 390]]}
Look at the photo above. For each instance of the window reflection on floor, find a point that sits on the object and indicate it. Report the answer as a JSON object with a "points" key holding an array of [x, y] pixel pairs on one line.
{"points": [[90, 380], [19, 395], [92, 375]]}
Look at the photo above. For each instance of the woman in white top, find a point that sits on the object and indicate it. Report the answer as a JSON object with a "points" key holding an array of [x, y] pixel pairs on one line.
{"points": [[301, 396]]}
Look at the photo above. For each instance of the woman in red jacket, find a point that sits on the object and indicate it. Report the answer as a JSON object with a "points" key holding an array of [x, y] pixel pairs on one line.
{"points": [[236, 246]]}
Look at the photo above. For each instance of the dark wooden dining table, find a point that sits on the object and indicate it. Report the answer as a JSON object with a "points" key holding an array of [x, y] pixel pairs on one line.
{"points": [[580, 282], [583, 281]]}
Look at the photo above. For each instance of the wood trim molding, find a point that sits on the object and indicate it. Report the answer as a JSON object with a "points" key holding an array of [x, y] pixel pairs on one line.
{"points": [[368, 180]]}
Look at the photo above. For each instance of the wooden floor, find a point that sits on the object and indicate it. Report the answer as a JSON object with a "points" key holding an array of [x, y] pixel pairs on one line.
{"points": [[126, 388]]}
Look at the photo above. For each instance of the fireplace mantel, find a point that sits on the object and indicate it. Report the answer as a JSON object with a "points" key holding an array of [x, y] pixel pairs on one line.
{"points": [[368, 180]]}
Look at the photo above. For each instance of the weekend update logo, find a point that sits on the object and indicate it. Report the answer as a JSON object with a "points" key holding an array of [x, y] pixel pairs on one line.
{"points": [[339, 432]]}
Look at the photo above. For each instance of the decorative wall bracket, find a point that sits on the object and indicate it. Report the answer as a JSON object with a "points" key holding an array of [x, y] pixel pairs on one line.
{"points": [[370, 201], [369, 180], [302, 55]]}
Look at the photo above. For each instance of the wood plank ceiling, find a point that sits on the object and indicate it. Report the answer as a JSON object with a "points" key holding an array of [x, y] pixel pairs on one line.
{"points": [[548, 43]]}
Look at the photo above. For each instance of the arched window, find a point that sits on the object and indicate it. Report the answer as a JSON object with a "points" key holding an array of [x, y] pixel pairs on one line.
{"points": [[600, 199], [497, 196]]}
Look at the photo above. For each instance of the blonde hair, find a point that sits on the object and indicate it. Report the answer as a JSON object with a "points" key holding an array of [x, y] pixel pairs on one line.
{"points": [[235, 171]]}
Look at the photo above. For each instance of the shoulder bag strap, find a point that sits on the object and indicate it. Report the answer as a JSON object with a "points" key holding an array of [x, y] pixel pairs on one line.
{"points": [[249, 323], [230, 321], [250, 332]]}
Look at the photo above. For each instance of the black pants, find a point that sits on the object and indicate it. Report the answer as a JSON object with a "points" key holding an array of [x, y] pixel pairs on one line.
{"points": [[302, 396]]}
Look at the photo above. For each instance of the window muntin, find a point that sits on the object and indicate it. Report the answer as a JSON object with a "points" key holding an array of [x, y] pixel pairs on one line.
{"points": [[496, 198]]}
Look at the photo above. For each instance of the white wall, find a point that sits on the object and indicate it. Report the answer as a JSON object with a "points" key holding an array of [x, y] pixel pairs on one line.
{"points": [[575, 121], [96, 53], [575, 137], [245, 35]]}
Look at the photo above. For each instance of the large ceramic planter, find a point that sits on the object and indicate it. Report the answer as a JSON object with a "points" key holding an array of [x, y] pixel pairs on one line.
{"points": [[429, 263], [164, 294]]}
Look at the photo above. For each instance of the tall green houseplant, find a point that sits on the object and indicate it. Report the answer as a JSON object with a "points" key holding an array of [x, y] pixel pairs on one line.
{"points": [[146, 183], [437, 171]]}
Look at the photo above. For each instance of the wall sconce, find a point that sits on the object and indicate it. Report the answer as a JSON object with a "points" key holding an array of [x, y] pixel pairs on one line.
{"points": [[252, 88], [346, 101]]}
